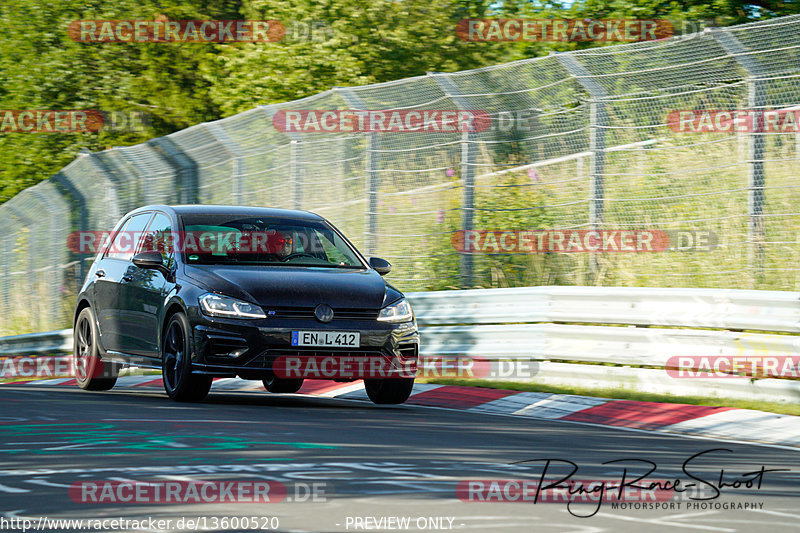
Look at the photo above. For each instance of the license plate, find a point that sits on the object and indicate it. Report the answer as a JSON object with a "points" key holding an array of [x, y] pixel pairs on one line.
{"points": [[344, 339]]}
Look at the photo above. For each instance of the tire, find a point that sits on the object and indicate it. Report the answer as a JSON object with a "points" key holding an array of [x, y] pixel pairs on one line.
{"points": [[91, 373], [280, 385], [176, 363], [389, 391]]}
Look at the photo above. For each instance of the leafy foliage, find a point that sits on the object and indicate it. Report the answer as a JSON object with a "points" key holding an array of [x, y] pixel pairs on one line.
{"points": [[329, 43]]}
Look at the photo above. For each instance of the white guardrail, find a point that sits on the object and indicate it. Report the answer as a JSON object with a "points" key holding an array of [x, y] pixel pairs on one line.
{"points": [[559, 326]]}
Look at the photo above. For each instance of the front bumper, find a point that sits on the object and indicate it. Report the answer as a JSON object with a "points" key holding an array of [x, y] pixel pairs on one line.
{"points": [[260, 348]]}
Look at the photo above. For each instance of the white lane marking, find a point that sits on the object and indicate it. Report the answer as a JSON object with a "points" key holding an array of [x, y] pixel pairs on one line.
{"points": [[78, 446], [690, 515], [46, 483], [648, 432], [619, 428], [663, 522], [13, 490], [169, 443], [182, 420], [776, 513]]}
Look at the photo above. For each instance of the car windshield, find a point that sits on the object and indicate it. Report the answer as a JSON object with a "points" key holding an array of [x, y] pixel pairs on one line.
{"points": [[233, 239]]}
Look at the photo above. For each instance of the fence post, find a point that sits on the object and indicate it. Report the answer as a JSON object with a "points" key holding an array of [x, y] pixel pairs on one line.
{"points": [[185, 168], [31, 275], [371, 166], [296, 165], [598, 122], [296, 159], [80, 217], [468, 157], [56, 278], [756, 102], [6, 253], [222, 137], [146, 187]]}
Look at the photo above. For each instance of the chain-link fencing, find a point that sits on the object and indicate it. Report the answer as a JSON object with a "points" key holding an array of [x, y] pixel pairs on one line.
{"points": [[585, 140]]}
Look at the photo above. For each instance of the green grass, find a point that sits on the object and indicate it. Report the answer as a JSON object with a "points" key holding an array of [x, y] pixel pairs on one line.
{"points": [[623, 394]]}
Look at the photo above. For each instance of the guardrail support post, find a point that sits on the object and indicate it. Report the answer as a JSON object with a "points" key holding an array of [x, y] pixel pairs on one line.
{"points": [[371, 166], [756, 102], [598, 122], [468, 157]]}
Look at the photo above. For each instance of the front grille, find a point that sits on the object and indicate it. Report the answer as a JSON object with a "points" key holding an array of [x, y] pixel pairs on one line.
{"points": [[308, 312]]}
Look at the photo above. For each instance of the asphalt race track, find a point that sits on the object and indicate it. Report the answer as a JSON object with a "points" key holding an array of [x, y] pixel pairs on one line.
{"points": [[352, 466]]}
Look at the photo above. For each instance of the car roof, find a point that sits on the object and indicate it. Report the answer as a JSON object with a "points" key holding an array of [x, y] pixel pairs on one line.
{"points": [[196, 209]]}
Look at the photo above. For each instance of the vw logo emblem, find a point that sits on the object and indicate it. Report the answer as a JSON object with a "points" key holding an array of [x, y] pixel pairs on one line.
{"points": [[324, 313]]}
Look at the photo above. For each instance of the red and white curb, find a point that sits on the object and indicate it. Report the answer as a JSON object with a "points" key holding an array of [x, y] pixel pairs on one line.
{"points": [[713, 422]]}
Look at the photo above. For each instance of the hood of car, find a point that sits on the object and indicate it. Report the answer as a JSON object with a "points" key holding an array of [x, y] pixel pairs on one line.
{"points": [[287, 286]]}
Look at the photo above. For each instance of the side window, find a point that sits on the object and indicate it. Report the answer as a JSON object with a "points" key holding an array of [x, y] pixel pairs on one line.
{"points": [[158, 238], [126, 240], [113, 246]]}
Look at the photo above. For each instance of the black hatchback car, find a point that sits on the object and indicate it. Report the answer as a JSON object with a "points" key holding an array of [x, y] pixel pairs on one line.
{"points": [[220, 291]]}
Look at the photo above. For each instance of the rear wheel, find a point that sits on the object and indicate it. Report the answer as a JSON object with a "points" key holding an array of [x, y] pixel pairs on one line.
{"points": [[388, 391], [176, 363], [91, 373], [281, 385]]}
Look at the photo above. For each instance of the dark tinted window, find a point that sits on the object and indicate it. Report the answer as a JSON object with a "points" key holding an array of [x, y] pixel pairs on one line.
{"points": [[126, 240], [223, 239], [158, 238]]}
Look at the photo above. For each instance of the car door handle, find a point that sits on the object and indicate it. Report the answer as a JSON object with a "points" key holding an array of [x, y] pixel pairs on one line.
{"points": [[126, 278], [100, 273]]}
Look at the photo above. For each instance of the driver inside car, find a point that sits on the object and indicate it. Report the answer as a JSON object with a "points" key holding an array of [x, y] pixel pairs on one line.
{"points": [[280, 244]]}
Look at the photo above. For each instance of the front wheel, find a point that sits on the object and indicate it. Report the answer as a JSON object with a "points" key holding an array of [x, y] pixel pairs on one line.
{"points": [[91, 373], [388, 391], [176, 363]]}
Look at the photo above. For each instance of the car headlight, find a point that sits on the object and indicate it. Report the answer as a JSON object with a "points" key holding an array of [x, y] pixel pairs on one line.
{"points": [[218, 305], [400, 311]]}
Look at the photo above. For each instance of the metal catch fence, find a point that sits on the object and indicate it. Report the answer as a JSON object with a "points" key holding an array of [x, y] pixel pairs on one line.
{"points": [[583, 140]]}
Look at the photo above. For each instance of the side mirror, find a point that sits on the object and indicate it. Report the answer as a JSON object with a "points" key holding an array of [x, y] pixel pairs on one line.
{"points": [[381, 266], [148, 260]]}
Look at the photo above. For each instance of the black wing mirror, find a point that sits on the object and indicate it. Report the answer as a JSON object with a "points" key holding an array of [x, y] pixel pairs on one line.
{"points": [[381, 266], [148, 260]]}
